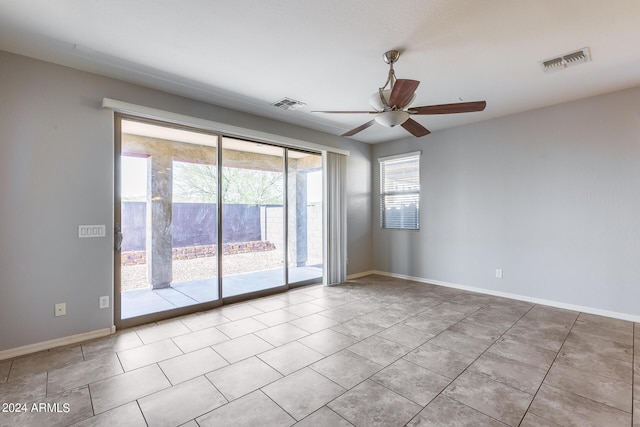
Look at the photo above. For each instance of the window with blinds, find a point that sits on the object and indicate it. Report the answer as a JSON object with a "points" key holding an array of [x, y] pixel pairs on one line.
{"points": [[400, 191]]}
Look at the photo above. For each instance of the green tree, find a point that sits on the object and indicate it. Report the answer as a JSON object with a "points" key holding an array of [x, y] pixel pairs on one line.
{"points": [[198, 183]]}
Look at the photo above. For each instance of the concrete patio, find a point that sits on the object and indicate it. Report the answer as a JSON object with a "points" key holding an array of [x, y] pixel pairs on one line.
{"points": [[146, 301]]}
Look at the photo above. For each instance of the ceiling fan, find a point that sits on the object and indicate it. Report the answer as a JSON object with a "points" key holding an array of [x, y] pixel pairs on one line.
{"points": [[391, 103]]}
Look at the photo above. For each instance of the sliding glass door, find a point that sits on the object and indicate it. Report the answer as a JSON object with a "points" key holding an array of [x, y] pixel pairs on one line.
{"points": [[166, 219], [195, 225], [252, 217], [304, 200]]}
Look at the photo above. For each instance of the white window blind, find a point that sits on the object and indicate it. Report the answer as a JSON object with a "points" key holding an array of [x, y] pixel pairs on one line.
{"points": [[400, 191], [335, 260]]}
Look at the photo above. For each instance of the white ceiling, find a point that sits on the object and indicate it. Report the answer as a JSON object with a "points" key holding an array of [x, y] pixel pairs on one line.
{"points": [[247, 54]]}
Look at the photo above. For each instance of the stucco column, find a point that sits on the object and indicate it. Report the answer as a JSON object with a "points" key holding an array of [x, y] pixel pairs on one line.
{"points": [[159, 236], [291, 216], [301, 218], [297, 199]]}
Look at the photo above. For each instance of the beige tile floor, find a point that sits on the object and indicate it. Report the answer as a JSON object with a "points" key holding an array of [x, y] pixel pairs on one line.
{"points": [[372, 352]]}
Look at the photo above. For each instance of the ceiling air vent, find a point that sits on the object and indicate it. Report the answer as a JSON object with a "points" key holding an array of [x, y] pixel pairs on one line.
{"points": [[288, 104], [566, 60]]}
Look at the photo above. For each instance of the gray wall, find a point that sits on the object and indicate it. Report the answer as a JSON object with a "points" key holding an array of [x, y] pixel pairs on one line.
{"points": [[551, 196], [56, 172]]}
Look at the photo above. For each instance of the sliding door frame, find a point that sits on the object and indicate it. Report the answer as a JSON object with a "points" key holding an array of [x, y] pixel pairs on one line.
{"points": [[117, 288], [166, 314]]}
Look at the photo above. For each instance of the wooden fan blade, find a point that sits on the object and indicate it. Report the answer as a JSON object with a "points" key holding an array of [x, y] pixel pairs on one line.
{"points": [[347, 112], [359, 128], [415, 128], [459, 107], [402, 92]]}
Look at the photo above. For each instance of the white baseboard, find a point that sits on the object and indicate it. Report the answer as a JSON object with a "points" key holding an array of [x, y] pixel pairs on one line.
{"points": [[58, 342], [557, 304], [361, 274]]}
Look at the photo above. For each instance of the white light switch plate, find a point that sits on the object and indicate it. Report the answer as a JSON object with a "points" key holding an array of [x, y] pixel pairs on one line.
{"points": [[85, 231]]}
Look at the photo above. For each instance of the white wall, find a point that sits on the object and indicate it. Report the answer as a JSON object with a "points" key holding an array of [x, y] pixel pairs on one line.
{"points": [[550, 196], [56, 172]]}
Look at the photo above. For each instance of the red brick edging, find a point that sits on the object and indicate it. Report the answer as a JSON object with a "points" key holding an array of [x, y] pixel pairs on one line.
{"points": [[201, 251]]}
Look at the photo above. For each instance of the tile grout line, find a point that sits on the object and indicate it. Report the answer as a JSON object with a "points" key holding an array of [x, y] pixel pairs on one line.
{"points": [[82, 352], [220, 391], [337, 414], [474, 360], [328, 356], [141, 412], [346, 390], [599, 375], [399, 322], [549, 370], [9, 371], [224, 358], [488, 305], [217, 389], [46, 385], [413, 349], [384, 367], [438, 394], [276, 403], [120, 361], [283, 376], [93, 409]]}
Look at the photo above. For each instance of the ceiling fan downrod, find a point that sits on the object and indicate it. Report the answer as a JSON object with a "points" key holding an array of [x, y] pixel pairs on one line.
{"points": [[390, 57]]}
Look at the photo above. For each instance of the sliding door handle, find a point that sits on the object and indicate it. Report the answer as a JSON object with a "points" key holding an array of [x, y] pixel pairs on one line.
{"points": [[118, 240]]}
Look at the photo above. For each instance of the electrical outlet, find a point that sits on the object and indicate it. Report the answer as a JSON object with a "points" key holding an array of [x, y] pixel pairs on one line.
{"points": [[60, 309], [104, 302], [499, 273]]}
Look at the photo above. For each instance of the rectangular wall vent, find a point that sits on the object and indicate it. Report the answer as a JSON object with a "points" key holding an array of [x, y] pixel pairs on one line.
{"points": [[288, 104], [561, 62]]}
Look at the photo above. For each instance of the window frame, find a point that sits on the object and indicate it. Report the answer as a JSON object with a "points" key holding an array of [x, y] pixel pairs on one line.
{"points": [[385, 193]]}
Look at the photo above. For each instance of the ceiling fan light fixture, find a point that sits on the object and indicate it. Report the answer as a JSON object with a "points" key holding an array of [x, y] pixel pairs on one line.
{"points": [[392, 118]]}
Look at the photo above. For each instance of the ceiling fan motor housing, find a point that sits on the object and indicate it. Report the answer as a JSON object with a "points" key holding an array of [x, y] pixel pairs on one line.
{"points": [[377, 104]]}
